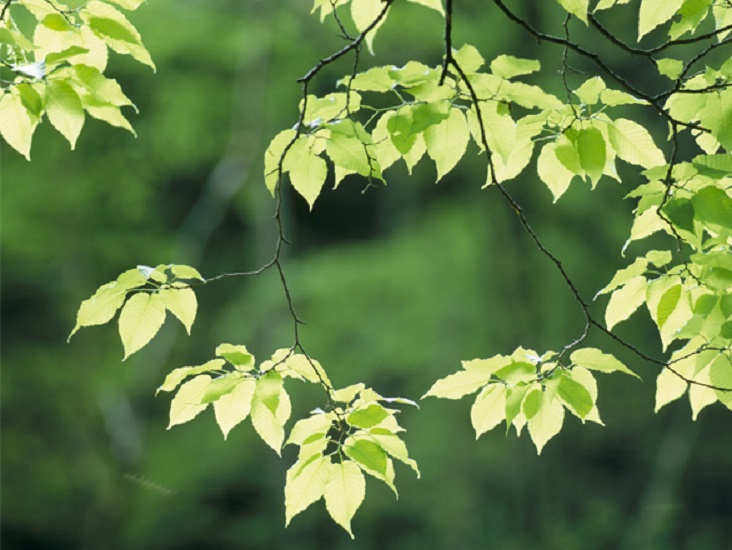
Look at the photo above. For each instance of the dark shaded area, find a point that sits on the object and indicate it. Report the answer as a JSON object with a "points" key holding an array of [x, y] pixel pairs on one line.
{"points": [[397, 284]]}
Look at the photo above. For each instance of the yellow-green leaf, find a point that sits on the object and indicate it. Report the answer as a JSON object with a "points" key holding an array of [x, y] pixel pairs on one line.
{"points": [[182, 303], [233, 408], [16, 124], [546, 422], [447, 141], [344, 492], [489, 408], [64, 109], [141, 318], [186, 404], [305, 485], [669, 387], [625, 301], [594, 359], [654, 13]]}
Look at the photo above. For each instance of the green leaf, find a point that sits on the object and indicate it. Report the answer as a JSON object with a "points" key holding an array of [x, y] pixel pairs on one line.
{"points": [[364, 13], [376, 79], [350, 152], [182, 303], [64, 109], [667, 304], [591, 152], [532, 401], [508, 66], [654, 13], [670, 68], [176, 376], [267, 424], [185, 272], [394, 446], [547, 421], [305, 485], [112, 26], [447, 141], [304, 429], [578, 8], [669, 387], [31, 99], [273, 155], [269, 390], [625, 301], [575, 396], [469, 58], [186, 404], [514, 397], [552, 172], [455, 386], [233, 408], [367, 417], [141, 318], [370, 457], [590, 90], [344, 492], [105, 302], [489, 408], [713, 206], [594, 359], [634, 144], [432, 4], [681, 213], [307, 170], [238, 356], [220, 386], [637, 268]]}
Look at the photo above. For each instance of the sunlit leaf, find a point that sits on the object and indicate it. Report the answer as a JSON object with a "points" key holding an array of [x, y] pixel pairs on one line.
{"points": [[140, 319]]}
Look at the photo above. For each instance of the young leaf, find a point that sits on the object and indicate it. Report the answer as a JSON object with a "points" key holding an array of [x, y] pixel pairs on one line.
{"points": [[305, 485], [455, 386], [578, 8], [307, 170], [546, 422], [489, 408], [367, 417], [64, 109], [575, 396], [141, 318], [176, 376], [594, 359], [432, 4], [370, 457], [394, 446], [344, 492], [624, 301], [16, 124], [669, 387], [508, 66], [552, 172], [272, 157], [186, 404], [182, 303], [447, 141], [269, 424], [634, 144], [654, 13], [591, 152], [238, 356], [232, 408]]}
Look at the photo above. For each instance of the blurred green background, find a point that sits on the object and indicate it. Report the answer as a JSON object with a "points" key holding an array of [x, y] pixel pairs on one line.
{"points": [[397, 285]]}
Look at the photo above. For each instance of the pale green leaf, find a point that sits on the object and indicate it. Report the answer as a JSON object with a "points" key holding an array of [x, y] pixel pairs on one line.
{"points": [[233, 408], [590, 90], [508, 66], [584, 377], [455, 386], [432, 4], [307, 170], [625, 301], [552, 172], [186, 404], [654, 13], [376, 79], [364, 13], [273, 156], [489, 408], [634, 144], [578, 8], [351, 153], [720, 374], [185, 272], [105, 302], [447, 141], [367, 417], [16, 124], [670, 68], [130, 5], [305, 428], [669, 387], [64, 109], [547, 422], [344, 492], [222, 385], [141, 318], [306, 368], [182, 303], [176, 376], [391, 443], [237, 355], [700, 396], [347, 394], [594, 359], [469, 58], [269, 421], [305, 485]]}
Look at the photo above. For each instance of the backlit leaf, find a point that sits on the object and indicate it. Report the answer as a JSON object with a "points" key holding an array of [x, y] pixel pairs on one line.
{"points": [[547, 422], [594, 359], [305, 485], [182, 303], [64, 109], [141, 318], [489, 408], [233, 408], [344, 492], [186, 404], [654, 13], [447, 141]]}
